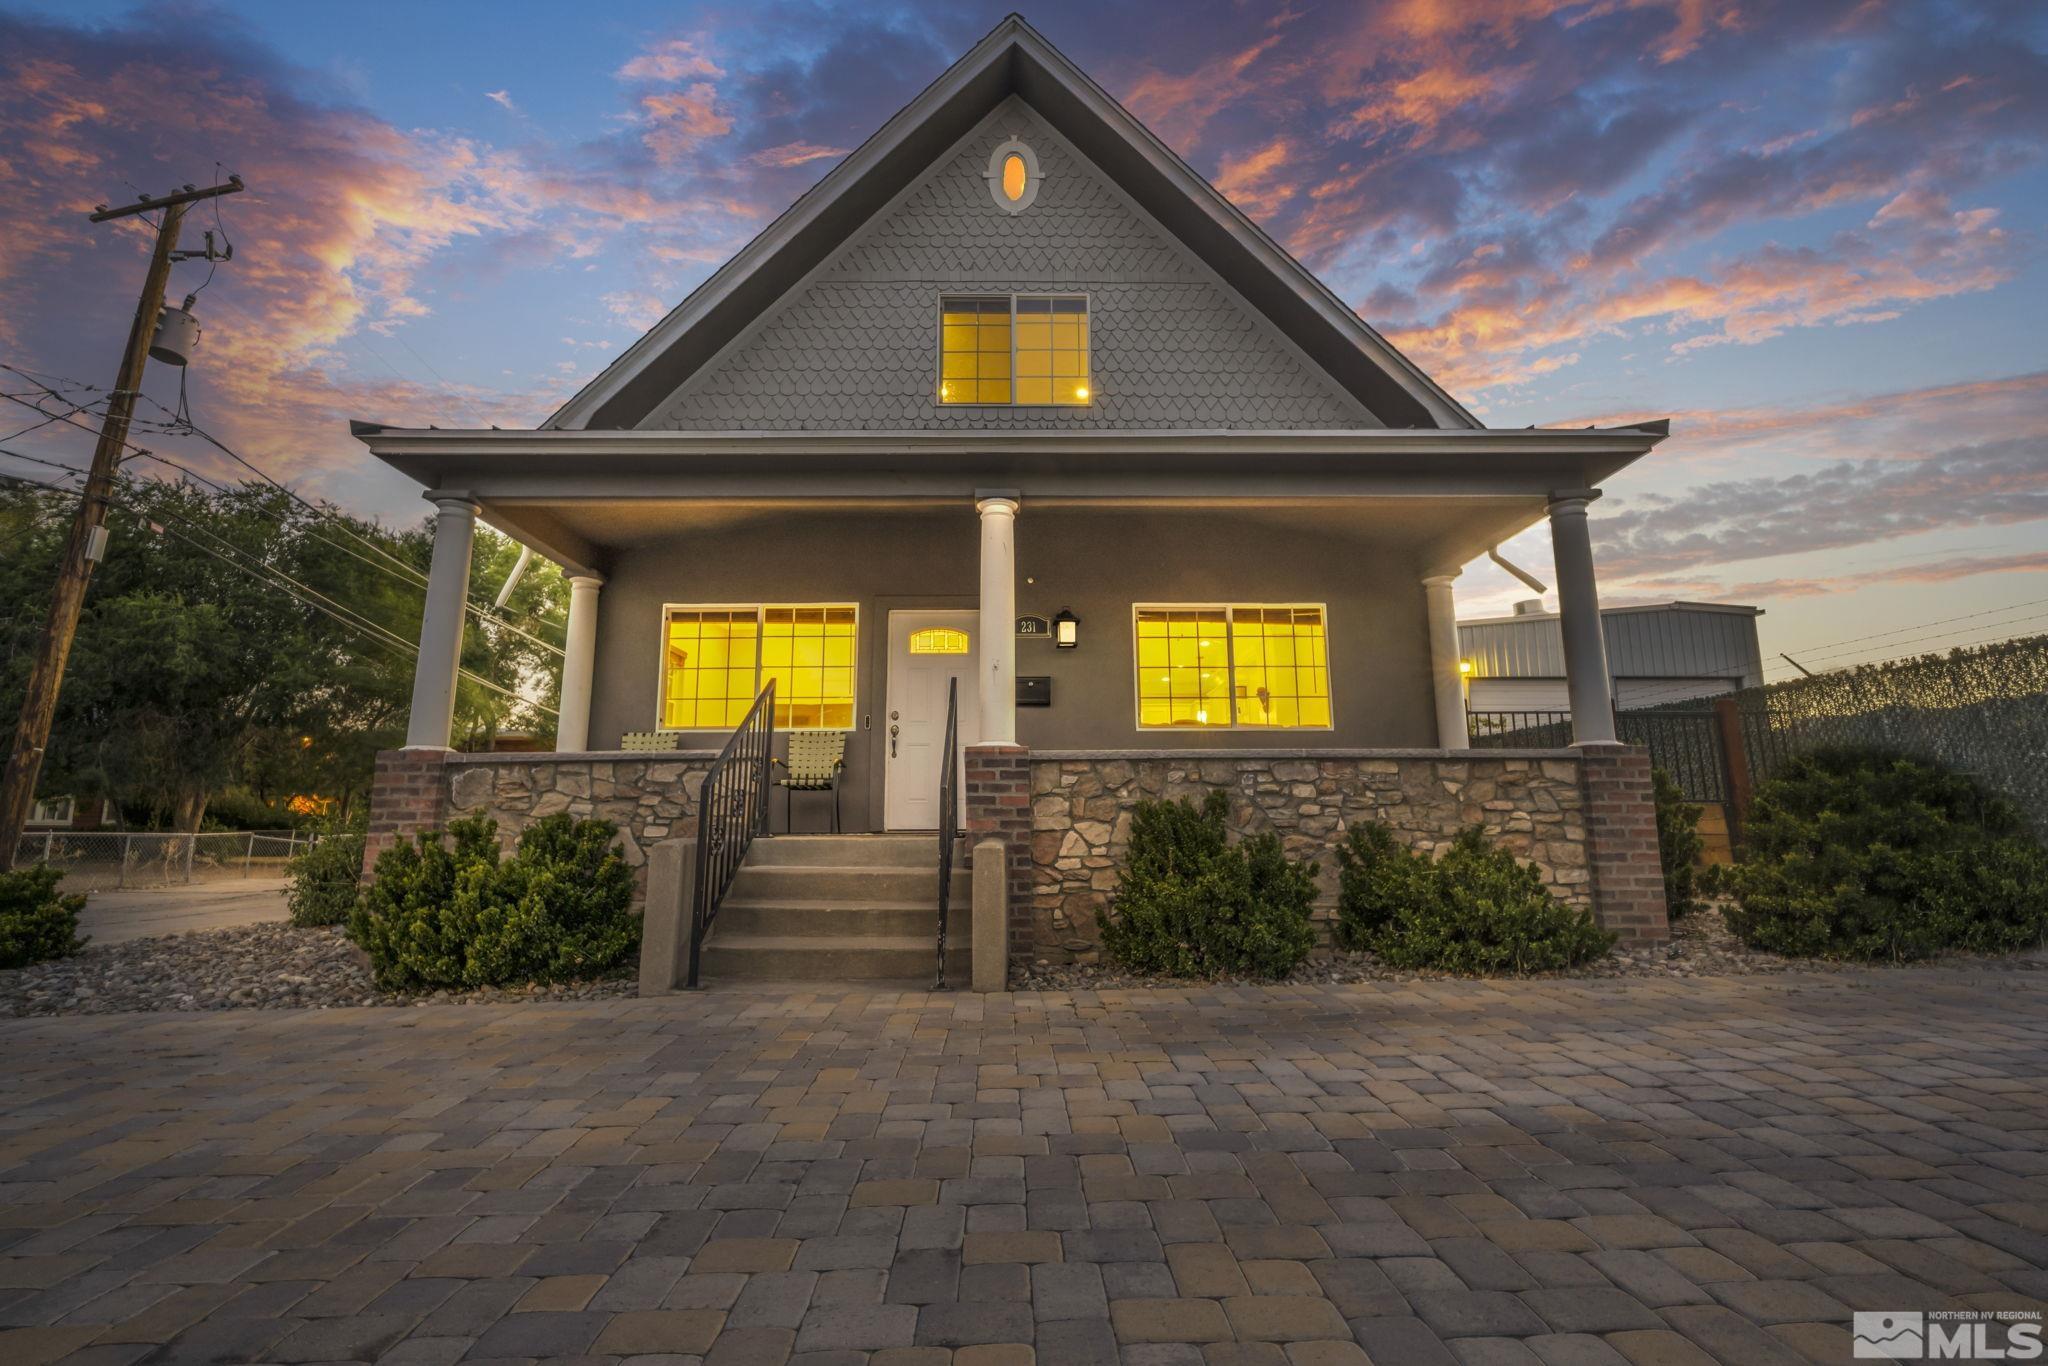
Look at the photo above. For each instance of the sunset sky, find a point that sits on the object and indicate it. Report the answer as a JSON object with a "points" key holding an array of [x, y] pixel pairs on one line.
{"points": [[1811, 233]]}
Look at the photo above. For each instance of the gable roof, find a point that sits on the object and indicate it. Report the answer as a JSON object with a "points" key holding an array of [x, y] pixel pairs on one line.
{"points": [[1013, 59]]}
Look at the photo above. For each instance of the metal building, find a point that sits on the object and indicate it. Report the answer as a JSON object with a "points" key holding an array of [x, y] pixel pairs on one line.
{"points": [[1663, 652]]}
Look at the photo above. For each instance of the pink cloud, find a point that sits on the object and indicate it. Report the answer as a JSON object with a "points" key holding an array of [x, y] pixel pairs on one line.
{"points": [[671, 60]]}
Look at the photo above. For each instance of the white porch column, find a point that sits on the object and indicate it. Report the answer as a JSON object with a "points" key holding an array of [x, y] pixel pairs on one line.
{"points": [[1578, 611], [579, 655], [1445, 681], [440, 661], [998, 648]]}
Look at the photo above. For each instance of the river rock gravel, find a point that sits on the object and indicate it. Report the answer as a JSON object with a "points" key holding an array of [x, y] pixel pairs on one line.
{"points": [[250, 967], [1701, 945]]}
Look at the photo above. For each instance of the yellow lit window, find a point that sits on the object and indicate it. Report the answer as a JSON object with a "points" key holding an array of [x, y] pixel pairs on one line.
{"points": [[1026, 349], [717, 660], [1215, 667], [938, 640], [1280, 666], [1052, 350], [974, 351]]}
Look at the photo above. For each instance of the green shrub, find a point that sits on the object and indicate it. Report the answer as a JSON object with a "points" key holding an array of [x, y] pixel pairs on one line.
{"points": [[326, 879], [559, 908], [36, 924], [1474, 910], [1191, 904], [1679, 846], [237, 808], [1377, 876], [1864, 855]]}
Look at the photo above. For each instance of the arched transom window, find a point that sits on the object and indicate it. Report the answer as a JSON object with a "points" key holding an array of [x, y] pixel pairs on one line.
{"points": [[938, 640]]}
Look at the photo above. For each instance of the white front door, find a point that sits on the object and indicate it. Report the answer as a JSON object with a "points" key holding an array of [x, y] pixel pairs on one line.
{"points": [[926, 649]]}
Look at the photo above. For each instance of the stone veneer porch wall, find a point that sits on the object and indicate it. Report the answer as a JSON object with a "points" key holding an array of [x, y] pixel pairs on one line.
{"points": [[650, 797], [1531, 802]]}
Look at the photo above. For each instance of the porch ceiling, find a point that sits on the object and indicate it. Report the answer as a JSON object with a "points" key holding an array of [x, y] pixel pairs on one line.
{"points": [[576, 496], [1435, 532]]}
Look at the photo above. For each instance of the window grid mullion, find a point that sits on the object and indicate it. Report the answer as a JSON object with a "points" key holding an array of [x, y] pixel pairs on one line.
{"points": [[1230, 658]]}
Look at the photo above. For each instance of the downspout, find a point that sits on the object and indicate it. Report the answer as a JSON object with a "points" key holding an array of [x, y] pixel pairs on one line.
{"points": [[1492, 553], [519, 572]]}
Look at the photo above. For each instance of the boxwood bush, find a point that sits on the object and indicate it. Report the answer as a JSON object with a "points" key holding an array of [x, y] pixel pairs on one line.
{"points": [[1191, 904], [1866, 855], [326, 879], [1678, 846], [1474, 910], [460, 916], [36, 923]]}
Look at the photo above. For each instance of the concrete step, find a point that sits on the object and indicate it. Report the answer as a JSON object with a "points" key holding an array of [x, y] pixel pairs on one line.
{"points": [[794, 918], [846, 885], [769, 958], [849, 851]]}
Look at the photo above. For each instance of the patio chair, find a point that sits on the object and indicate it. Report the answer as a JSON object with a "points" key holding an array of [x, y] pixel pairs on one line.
{"points": [[815, 760], [649, 741]]}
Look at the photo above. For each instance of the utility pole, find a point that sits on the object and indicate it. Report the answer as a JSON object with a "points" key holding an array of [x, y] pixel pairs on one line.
{"points": [[82, 549]]}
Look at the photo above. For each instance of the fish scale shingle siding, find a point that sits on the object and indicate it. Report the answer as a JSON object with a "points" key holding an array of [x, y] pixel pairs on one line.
{"points": [[857, 349]]}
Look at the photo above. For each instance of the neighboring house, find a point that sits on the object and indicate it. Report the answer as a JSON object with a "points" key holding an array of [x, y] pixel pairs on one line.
{"points": [[1656, 654], [64, 813], [1013, 363]]}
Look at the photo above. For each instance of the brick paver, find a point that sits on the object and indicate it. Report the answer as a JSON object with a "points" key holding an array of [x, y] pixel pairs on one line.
{"points": [[1627, 1171]]}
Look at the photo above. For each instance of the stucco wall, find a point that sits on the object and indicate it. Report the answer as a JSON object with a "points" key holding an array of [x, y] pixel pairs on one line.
{"points": [[1098, 562], [1532, 805]]}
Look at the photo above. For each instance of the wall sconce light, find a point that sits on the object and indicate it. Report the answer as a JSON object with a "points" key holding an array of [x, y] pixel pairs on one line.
{"points": [[1465, 667], [1066, 629]]}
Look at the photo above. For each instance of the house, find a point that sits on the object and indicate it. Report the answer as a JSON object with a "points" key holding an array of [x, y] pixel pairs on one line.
{"points": [[1657, 654], [1013, 364]]}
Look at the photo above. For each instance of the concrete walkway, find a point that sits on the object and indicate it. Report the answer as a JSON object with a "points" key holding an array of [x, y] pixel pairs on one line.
{"points": [[116, 917], [1620, 1171]]}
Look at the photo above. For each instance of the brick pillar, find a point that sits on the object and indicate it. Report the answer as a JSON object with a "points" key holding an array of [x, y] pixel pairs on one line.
{"points": [[999, 807], [1621, 839], [407, 794]]}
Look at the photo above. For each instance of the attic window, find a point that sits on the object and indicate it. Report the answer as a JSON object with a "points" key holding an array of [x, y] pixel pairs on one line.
{"points": [[1026, 350], [1013, 176]]}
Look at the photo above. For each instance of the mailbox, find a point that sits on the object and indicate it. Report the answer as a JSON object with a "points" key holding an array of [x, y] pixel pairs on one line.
{"points": [[1034, 691]]}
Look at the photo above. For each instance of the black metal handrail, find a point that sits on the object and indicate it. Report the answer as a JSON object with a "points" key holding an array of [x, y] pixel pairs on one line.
{"points": [[732, 808], [949, 815]]}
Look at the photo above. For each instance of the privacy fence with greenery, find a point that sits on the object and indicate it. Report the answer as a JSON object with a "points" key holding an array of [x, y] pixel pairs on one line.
{"points": [[1982, 711]]}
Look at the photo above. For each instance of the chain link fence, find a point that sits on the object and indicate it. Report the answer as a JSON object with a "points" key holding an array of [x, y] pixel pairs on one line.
{"points": [[108, 860]]}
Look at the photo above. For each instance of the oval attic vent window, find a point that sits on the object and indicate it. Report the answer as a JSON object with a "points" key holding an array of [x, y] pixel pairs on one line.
{"points": [[1013, 176]]}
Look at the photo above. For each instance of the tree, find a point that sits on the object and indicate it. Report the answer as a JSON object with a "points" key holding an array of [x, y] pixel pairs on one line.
{"points": [[195, 668]]}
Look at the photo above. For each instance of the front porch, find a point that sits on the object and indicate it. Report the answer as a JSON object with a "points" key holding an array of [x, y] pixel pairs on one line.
{"points": [[1357, 714]]}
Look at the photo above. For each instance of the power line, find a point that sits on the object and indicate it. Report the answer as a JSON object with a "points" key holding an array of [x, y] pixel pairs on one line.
{"points": [[182, 424], [484, 614], [1884, 652], [1942, 621], [344, 617]]}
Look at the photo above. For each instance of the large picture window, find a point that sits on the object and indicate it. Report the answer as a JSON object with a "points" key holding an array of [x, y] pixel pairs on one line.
{"points": [[1232, 665], [716, 660], [1024, 349]]}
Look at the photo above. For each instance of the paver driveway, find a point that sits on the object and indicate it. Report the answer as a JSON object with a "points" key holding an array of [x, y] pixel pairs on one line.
{"points": [[1646, 1171]]}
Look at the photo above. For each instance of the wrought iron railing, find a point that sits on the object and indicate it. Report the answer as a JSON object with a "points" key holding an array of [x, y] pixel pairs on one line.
{"points": [[949, 816], [732, 808], [1684, 742], [1519, 729]]}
